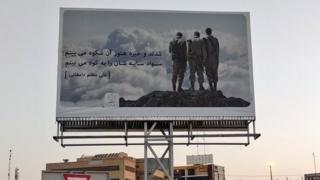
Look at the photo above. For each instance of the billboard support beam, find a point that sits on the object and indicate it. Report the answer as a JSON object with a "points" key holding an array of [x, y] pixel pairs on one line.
{"points": [[167, 141], [145, 151], [171, 149], [61, 129], [239, 132], [126, 133], [248, 137], [254, 129]]}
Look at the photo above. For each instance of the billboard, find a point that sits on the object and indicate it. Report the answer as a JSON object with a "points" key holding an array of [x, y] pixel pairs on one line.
{"points": [[144, 64]]}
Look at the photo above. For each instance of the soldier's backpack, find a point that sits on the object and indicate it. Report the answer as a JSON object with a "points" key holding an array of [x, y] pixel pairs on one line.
{"points": [[178, 49], [212, 45]]}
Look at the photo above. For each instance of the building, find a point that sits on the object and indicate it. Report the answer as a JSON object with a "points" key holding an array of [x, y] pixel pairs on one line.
{"points": [[189, 172], [313, 176], [199, 172], [154, 172], [119, 166], [59, 175]]}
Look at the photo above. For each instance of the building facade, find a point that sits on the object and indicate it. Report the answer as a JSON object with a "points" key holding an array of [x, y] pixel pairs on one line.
{"points": [[313, 176], [199, 172], [119, 166]]}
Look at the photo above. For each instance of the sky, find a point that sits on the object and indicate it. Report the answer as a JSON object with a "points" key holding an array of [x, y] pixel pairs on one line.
{"points": [[285, 48]]}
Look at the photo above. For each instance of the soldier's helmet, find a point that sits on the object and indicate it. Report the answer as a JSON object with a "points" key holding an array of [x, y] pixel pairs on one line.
{"points": [[208, 31], [179, 35], [196, 34]]}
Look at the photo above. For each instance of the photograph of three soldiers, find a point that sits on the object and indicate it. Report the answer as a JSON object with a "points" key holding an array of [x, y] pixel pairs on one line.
{"points": [[202, 54]]}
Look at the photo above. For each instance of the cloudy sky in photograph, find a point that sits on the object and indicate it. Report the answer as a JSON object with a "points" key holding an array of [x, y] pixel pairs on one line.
{"points": [[285, 48], [147, 32]]}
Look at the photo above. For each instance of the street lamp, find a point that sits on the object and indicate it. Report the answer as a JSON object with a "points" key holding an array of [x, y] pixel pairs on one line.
{"points": [[314, 163], [270, 167]]}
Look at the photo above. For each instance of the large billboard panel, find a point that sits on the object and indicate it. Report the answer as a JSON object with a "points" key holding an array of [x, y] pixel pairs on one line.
{"points": [[160, 64]]}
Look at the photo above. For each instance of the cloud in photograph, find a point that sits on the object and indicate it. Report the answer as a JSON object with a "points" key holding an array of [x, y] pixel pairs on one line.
{"points": [[134, 82]]}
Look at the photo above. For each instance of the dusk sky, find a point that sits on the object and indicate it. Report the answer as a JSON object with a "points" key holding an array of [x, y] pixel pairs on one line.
{"points": [[285, 48]]}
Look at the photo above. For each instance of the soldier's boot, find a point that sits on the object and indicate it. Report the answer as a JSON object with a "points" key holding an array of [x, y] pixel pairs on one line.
{"points": [[201, 88], [191, 86], [180, 86], [211, 87], [215, 86], [174, 85]]}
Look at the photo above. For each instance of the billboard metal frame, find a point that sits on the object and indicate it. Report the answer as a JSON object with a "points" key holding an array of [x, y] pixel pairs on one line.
{"points": [[221, 129], [218, 129], [158, 128]]}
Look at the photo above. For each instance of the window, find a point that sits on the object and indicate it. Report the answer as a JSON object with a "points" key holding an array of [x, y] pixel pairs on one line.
{"points": [[131, 169], [112, 168], [190, 171]]}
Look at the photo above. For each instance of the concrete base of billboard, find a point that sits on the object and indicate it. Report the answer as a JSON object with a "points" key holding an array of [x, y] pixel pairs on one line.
{"points": [[185, 99]]}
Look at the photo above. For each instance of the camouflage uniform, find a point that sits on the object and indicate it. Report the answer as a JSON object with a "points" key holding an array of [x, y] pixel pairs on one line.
{"points": [[196, 54], [178, 50], [212, 61]]}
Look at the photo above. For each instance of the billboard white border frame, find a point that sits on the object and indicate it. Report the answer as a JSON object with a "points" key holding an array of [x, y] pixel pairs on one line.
{"points": [[135, 112]]}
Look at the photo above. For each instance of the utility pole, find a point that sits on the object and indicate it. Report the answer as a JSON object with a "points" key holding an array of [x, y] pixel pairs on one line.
{"points": [[9, 166], [16, 174], [314, 163], [270, 167]]}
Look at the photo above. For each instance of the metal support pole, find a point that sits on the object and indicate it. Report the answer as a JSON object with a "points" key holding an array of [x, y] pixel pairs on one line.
{"points": [[159, 162], [248, 137], [126, 133], [145, 151], [314, 163], [165, 153], [58, 132], [171, 151], [152, 127], [270, 167], [189, 133], [61, 131], [9, 166]]}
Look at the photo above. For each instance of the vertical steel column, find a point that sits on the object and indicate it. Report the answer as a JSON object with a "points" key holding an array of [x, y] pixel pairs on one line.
{"points": [[248, 133], [145, 151], [61, 131], [126, 133], [171, 150], [58, 130]]}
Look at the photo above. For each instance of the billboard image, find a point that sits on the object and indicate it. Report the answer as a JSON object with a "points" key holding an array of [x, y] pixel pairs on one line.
{"points": [[139, 63]]}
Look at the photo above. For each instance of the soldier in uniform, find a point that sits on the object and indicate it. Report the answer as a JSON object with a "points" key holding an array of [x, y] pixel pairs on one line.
{"points": [[178, 50], [212, 61], [196, 55]]}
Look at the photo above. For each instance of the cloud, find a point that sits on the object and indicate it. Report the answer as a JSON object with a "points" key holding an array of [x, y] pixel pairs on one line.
{"points": [[133, 82]]}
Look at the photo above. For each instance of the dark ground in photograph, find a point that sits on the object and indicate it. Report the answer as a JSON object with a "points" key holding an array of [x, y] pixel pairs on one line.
{"points": [[185, 99]]}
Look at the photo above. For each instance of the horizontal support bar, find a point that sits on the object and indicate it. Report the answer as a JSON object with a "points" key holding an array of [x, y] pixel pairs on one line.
{"points": [[158, 118], [157, 139], [136, 126], [215, 129], [155, 136], [153, 144]]}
